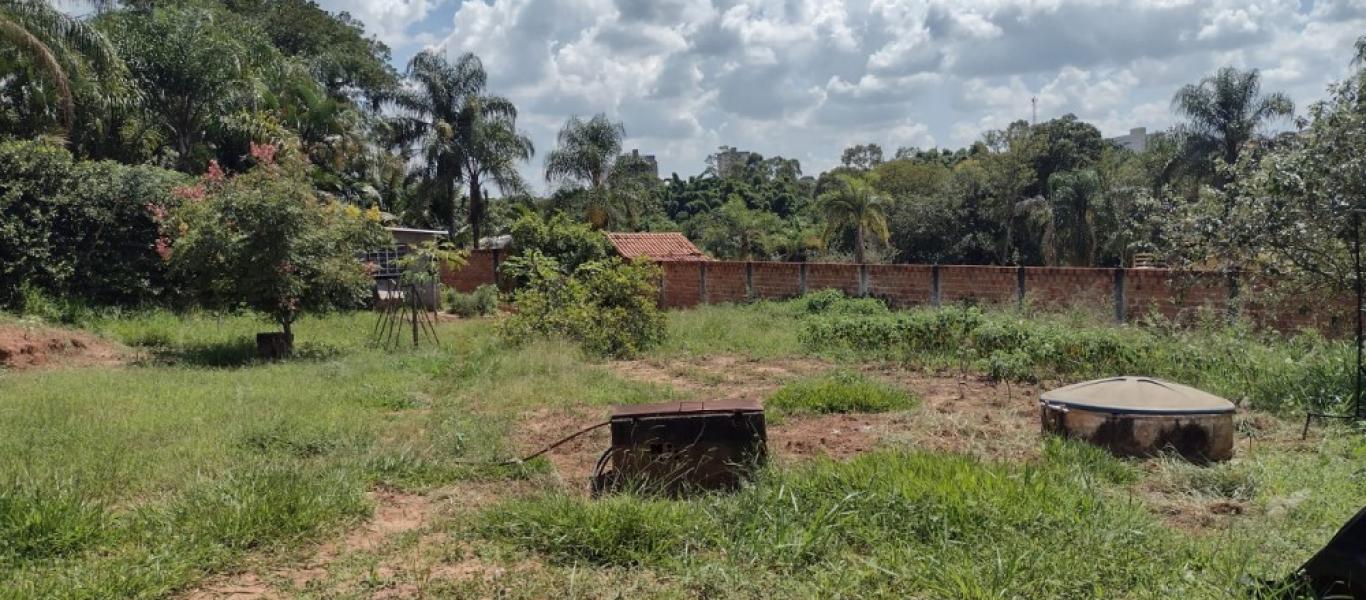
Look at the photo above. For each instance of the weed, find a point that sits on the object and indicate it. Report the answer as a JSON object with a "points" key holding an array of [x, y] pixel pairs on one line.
{"points": [[840, 391]]}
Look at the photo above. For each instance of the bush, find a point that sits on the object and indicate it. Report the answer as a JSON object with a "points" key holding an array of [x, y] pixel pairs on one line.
{"points": [[835, 302], [839, 392], [482, 302], [569, 243], [609, 307], [87, 230]]}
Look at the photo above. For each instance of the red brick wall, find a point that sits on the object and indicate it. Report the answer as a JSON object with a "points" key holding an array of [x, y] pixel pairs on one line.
{"points": [[836, 276], [981, 285], [1056, 287], [481, 268], [1174, 295], [726, 282], [902, 285], [682, 285], [1179, 296], [776, 280]]}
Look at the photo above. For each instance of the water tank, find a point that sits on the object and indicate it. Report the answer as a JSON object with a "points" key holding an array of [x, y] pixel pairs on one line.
{"points": [[1142, 416]]}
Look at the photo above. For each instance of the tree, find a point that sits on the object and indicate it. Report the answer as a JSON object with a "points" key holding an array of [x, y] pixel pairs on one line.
{"points": [[738, 232], [465, 133], [1223, 113], [589, 155], [55, 45], [267, 241], [1064, 144], [853, 203], [1067, 218], [862, 156], [194, 67]]}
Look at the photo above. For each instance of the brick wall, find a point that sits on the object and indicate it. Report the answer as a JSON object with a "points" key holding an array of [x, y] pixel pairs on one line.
{"points": [[481, 268], [1180, 296], [902, 285], [978, 285]]}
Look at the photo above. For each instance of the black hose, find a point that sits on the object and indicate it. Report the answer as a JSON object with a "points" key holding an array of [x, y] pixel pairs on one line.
{"points": [[518, 461]]}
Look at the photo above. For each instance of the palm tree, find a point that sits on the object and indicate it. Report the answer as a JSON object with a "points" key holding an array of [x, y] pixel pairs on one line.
{"points": [[589, 154], [466, 135], [853, 203], [1066, 217], [1223, 113], [56, 44]]}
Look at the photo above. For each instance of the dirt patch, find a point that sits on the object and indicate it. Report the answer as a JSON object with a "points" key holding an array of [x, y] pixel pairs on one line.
{"points": [[32, 347], [719, 377]]}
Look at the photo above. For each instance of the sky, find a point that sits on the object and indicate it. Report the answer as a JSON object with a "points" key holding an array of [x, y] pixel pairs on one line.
{"points": [[806, 78]]}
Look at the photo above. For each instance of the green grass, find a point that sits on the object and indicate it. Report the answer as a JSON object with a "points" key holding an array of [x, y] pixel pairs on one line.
{"points": [[132, 482], [840, 391], [141, 480]]}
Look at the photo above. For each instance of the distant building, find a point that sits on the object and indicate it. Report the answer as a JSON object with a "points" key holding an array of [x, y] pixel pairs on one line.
{"points": [[645, 162], [1136, 141], [731, 162]]}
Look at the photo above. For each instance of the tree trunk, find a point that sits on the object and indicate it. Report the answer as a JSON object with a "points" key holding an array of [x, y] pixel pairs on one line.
{"points": [[858, 243], [476, 210]]}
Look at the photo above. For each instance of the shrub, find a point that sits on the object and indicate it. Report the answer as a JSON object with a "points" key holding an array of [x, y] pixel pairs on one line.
{"points": [[482, 302], [607, 306], [570, 243], [835, 302], [80, 229], [839, 392]]}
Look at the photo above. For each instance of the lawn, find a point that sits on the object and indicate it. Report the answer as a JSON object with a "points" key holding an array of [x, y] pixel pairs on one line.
{"points": [[900, 469]]}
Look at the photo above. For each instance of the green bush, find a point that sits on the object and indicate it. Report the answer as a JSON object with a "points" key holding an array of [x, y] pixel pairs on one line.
{"points": [[609, 307], [568, 242], [482, 302], [835, 302], [86, 230], [839, 392]]}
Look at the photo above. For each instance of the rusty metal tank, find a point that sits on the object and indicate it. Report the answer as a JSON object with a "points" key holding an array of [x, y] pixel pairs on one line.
{"points": [[1141, 417]]}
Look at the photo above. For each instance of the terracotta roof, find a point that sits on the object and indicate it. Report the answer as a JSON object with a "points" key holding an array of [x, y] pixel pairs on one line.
{"points": [[655, 246]]}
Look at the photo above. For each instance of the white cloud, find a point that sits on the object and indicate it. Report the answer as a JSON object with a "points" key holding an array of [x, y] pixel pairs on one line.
{"points": [[803, 78]]}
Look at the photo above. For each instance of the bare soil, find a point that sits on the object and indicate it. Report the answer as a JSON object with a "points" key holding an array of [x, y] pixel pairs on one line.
{"points": [[25, 347]]}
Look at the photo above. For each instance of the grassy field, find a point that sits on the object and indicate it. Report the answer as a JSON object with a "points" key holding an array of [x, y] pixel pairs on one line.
{"points": [[195, 470]]}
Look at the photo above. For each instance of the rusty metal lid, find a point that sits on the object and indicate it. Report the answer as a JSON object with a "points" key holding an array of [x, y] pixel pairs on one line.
{"points": [[1137, 395], [672, 408]]}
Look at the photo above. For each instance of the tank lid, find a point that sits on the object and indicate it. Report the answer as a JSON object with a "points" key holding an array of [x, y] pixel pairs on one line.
{"points": [[1143, 395]]}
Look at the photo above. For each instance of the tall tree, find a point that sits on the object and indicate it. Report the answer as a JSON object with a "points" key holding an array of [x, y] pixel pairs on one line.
{"points": [[862, 156], [55, 45], [466, 134], [853, 203], [1223, 113], [589, 155]]}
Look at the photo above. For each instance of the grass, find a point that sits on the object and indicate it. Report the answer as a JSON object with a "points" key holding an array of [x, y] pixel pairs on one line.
{"points": [[840, 391], [141, 480]]}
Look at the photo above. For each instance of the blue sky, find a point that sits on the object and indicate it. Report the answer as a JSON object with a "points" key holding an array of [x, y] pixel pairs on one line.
{"points": [[806, 78]]}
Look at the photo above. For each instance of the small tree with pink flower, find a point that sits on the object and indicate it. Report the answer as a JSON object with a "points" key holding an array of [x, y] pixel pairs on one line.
{"points": [[267, 241]]}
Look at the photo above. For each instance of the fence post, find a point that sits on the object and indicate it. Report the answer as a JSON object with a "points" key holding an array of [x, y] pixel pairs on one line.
{"points": [[862, 279], [663, 283], [1019, 287], [934, 285], [801, 278], [1234, 292], [702, 281], [1119, 295], [749, 280]]}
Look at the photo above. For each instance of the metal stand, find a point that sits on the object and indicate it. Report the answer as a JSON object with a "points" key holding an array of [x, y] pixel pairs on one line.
{"points": [[408, 313], [1358, 412]]}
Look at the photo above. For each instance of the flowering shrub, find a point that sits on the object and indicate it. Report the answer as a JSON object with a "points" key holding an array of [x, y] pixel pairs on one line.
{"points": [[265, 240]]}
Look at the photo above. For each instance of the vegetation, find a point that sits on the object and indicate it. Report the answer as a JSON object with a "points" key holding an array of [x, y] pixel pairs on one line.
{"points": [[263, 240], [608, 306], [839, 392], [482, 302]]}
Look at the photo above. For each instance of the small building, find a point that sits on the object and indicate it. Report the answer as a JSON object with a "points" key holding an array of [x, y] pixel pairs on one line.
{"points": [[656, 246]]}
